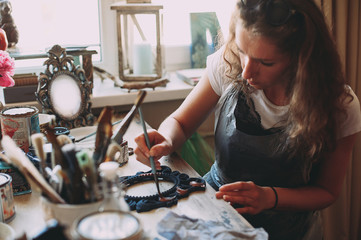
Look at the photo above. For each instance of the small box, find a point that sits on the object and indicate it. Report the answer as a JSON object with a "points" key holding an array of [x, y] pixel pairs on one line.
{"points": [[191, 76], [16, 94], [25, 79]]}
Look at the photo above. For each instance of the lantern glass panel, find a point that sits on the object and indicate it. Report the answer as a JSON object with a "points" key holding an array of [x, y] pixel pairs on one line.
{"points": [[139, 41]]}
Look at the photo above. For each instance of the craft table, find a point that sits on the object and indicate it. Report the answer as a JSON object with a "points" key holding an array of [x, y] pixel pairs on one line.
{"points": [[201, 205]]}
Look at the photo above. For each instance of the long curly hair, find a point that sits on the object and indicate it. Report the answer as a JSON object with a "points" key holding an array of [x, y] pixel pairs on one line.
{"points": [[316, 87]]}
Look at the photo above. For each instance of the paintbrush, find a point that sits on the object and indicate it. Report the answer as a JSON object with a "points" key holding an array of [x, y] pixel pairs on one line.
{"points": [[75, 173], [118, 137], [63, 139], [37, 140], [57, 157], [103, 135], [152, 164], [25, 166], [89, 171]]}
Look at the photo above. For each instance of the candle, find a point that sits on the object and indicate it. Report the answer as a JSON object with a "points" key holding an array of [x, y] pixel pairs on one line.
{"points": [[142, 59]]}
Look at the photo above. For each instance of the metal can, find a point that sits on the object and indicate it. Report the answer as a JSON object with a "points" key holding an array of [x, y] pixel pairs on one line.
{"points": [[19, 182], [2, 218], [20, 123], [7, 197]]}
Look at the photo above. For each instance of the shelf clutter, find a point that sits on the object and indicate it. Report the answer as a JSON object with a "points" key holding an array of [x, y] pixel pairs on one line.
{"points": [[24, 89], [191, 76]]}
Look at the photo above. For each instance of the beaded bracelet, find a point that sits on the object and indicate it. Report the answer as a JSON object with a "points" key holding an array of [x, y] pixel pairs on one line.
{"points": [[276, 195]]}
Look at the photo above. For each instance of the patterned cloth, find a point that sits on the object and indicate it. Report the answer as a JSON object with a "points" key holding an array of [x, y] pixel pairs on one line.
{"points": [[176, 227]]}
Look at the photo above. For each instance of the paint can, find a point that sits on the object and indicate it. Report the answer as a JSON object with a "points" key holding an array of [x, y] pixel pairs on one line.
{"points": [[20, 123], [7, 197], [2, 218], [19, 182]]}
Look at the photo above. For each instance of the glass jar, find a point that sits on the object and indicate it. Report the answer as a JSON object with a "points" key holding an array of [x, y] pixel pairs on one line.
{"points": [[113, 190]]}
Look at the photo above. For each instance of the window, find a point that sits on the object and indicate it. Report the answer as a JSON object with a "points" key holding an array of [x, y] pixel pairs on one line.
{"points": [[91, 23], [43, 23]]}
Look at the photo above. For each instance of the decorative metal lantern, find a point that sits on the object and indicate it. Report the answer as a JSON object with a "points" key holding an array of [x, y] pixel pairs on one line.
{"points": [[139, 41]]}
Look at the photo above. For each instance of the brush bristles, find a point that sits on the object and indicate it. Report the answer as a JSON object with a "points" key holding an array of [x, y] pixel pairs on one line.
{"points": [[63, 139], [38, 142]]}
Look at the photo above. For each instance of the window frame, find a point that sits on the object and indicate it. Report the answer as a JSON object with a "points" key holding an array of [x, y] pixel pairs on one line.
{"points": [[108, 45]]}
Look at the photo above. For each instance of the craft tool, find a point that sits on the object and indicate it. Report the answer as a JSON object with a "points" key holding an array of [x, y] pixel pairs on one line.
{"points": [[57, 172], [89, 177], [118, 137], [57, 156], [75, 173], [38, 142], [18, 158], [151, 159], [103, 135], [63, 139], [53, 179]]}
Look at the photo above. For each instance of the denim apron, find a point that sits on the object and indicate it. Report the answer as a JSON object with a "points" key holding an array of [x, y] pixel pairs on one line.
{"points": [[247, 152]]}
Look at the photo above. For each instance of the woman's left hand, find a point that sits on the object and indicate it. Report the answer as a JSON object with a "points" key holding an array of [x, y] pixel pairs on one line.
{"points": [[252, 198]]}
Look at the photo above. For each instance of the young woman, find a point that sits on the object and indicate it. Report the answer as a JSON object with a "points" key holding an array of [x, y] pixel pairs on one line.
{"points": [[286, 120]]}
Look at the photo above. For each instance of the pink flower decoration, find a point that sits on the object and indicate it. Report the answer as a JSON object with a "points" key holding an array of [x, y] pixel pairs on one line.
{"points": [[7, 69]]}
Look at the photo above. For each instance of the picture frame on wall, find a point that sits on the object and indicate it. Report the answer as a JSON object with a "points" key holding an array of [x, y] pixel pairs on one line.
{"points": [[205, 34]]}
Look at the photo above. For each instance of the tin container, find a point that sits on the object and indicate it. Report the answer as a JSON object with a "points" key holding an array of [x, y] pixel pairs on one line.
{"points": [[7, 197], [19, 123], [19, 182]]}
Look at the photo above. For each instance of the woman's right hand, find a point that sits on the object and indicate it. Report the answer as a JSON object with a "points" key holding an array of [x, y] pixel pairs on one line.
{"points": [[160, 147]]}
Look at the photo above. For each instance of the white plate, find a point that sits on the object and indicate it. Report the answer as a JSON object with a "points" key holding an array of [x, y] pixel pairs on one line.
{"points": [[6, 232]]}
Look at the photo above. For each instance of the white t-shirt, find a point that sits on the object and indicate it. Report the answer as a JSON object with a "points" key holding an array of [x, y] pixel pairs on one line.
{"points": [[271, 114]]}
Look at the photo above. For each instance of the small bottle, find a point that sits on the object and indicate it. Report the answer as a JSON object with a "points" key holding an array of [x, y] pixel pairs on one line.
{"points": [[113, 190]]}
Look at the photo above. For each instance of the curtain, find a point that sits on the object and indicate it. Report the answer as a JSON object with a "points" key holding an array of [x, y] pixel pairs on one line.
{"points": [[342, 220]]}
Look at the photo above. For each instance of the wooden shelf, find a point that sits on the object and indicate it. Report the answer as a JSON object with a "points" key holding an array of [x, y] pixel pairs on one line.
{"points": [[105, 94]]}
